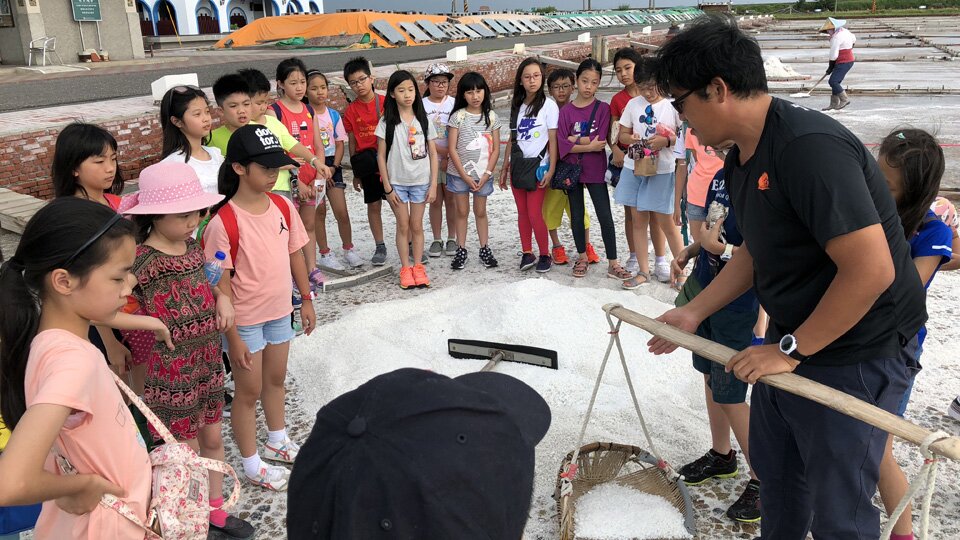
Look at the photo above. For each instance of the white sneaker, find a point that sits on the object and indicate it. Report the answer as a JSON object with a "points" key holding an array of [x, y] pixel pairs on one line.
{"points": [[633, 265], [353, 260], [272, 477], [954, 410], [661, 271], [285, 451], [329, 260]]}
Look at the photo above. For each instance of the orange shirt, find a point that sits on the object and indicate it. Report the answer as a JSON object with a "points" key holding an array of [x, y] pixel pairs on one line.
{"points": [[261, 286], [100, 437], [698, 181]]}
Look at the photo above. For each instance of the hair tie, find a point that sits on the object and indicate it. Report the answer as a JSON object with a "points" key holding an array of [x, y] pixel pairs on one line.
{"points": [[14, 264], [901, 136]]}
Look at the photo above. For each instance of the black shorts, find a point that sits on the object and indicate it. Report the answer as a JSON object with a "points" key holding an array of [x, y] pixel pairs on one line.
{"points": [[372, 189], [337, 173]]}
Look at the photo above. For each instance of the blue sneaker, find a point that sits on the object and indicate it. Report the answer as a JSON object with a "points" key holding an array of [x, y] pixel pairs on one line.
{"points": [[544, 264], [528, 261]]}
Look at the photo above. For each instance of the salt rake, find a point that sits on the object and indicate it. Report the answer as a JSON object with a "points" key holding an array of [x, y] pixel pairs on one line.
{"points": [[930, 443], [812, 88], [495, 353]]}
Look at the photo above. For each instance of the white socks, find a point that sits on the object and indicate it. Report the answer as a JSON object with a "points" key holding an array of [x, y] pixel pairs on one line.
{"points": [[661, 260], [277, 436], [251, 465]]}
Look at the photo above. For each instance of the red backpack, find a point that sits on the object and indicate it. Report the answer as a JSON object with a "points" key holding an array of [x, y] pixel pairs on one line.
{"points": [[229, 219]]}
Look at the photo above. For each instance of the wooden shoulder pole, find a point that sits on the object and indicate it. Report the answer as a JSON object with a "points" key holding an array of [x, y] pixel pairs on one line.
{"points": [[795, 384]]}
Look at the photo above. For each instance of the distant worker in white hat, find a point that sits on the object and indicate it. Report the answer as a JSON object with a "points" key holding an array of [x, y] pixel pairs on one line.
{"points": [[841, 59]]}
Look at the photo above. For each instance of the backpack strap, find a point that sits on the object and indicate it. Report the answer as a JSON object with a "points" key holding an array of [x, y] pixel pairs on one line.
{"points": [[229, 220], [280, 203], [276, 108], [334, 118], [310, 110]]}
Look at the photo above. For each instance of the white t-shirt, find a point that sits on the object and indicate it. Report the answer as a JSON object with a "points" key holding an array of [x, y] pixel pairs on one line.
{"points": [[645, 118], [207, 171], [532, 131], [408, 164], [439, 116]]}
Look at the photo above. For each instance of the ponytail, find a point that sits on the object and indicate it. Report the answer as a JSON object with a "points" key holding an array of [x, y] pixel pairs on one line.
{"points": [[228, 182], [56, 237]]}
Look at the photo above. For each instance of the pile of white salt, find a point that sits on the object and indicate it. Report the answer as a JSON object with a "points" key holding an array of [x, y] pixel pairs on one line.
{"points": [[614, 512]]}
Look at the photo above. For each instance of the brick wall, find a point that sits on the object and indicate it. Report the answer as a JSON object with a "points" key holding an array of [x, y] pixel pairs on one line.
{"points": [[25, 158]]}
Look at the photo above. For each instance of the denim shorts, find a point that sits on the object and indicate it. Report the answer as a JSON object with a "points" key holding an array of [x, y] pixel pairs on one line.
{"points": [[455, 184], [695, 212], [412, 194], [258, 336], [645, 193]]}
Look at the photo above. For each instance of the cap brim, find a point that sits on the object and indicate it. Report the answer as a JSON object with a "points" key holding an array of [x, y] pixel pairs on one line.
{"points": [[193, 204], [449, 76], [274, 160], [523, 403]]}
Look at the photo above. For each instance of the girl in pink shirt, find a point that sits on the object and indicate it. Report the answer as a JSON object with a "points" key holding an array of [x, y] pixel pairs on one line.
{"points": [[262, 237], [72, 266]]}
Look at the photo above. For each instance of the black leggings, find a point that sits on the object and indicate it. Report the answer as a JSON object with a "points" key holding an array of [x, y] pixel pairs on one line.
{"points": [[601, 203]]}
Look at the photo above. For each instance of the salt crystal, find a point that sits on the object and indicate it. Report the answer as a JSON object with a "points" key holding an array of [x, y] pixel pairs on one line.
{"points": [[778, 71], [615, 512]]}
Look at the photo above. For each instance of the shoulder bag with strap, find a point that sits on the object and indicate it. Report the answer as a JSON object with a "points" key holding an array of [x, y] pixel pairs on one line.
{"points": [[567, 175], [523, 170], [229, 219], [179, 503]]}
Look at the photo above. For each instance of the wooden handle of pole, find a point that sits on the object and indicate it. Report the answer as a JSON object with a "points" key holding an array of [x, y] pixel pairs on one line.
{"points": [[795, 384]]}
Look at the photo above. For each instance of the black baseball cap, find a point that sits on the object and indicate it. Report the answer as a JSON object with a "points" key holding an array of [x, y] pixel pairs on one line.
{"points": [[412, 454], [257, 143]]}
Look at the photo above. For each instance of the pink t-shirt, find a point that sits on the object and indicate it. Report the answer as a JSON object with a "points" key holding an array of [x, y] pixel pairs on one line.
{"points": [[706, 167], [100, 437], [261, 285], [327, 132]]}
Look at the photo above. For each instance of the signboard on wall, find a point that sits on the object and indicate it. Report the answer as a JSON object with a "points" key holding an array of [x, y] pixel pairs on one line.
{"points": [[86, 10]]}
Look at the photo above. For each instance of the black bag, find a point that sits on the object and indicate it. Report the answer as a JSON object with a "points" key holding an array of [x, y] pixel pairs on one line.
{"points": [[365, 163], [567, 175], [523, 170]]}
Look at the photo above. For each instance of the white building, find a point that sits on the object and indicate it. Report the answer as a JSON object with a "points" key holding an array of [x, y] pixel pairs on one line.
{"points": [[191, 17]]}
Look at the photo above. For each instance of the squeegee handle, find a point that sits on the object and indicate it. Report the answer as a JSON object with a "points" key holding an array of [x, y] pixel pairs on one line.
{"points": [[818, 82], [493, 362]]}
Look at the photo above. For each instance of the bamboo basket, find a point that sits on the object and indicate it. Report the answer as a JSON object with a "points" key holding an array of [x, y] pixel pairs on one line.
{"points": [[624, 465]]}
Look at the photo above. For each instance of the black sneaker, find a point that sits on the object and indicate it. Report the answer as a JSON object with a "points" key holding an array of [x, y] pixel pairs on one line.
{"points": [[747, 507], [711, 465], [528, 261], [487, 258], [234, 529], [459, 259], [544, 264], [227, 403]]}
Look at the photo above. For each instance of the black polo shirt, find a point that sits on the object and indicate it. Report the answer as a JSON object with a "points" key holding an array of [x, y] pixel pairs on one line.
{"points": [[809, 181]]}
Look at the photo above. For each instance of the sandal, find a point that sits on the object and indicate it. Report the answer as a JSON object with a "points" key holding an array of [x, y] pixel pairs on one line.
{"points": [[580, 267], [635, 282], [618, 272]]}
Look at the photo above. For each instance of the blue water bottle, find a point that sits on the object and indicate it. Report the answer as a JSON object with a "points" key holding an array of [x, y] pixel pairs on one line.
{"points": [[542, 170], [214, 269]]}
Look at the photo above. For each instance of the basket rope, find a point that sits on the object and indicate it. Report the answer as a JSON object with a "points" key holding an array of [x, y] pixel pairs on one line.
{"points": [[927, 477], [566, 483]]}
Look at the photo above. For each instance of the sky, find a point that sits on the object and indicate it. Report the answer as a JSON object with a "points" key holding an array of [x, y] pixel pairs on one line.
{"points": [[331, 6]]}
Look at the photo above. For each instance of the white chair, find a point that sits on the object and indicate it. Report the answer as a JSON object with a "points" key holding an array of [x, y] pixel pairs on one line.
{"points": [[43, 46]]}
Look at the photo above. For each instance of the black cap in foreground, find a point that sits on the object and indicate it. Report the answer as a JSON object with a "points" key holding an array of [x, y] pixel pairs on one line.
{"points": [[412, 454], [257, 143]]}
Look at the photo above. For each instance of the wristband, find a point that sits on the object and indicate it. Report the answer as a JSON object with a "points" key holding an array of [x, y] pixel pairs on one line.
{"points": [[388, 192], [489, 172], [312, 161]]}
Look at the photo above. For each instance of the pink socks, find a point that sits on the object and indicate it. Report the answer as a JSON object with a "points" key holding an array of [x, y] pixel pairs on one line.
{"points": [[896, 536], [218, 517]]}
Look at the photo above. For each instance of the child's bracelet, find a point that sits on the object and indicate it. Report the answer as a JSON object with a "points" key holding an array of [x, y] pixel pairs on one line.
{"points": [[388, 192]]}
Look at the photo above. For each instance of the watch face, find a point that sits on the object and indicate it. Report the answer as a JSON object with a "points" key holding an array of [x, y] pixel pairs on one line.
{"points": [[787, 343]]}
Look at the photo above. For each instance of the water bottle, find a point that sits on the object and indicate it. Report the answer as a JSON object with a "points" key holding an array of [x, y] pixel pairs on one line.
{"points": [[296, 322], [542, 170], [214, 269]]}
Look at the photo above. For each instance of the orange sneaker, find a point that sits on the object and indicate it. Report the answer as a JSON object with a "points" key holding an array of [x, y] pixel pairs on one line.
{"points": [[407, 281], [420, 276], [592, 256], [559, 254]]}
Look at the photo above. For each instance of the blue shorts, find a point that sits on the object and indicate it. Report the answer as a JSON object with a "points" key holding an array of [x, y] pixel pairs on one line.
{"points": [[455, 184], [258, 336], [645, 193], [695, 212], [412, 194]]}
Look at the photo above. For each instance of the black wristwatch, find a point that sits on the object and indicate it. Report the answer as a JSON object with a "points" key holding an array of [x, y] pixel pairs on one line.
{"points": [[788, 346]]}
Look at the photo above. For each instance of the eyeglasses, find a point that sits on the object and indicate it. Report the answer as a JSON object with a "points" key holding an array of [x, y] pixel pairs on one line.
{"points": [[103, 230], [357, 82], [182, 89], [678, 102], [532, 77], [439, 82], [561, 87]]}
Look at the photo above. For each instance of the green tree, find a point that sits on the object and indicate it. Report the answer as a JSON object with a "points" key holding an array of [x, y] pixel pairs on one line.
{"points": [[623, 7], [544, 9]]}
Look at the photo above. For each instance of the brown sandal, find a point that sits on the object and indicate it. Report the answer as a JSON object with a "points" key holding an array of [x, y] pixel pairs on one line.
{"points": [[580, 267], [618, 272], [635, 282]]}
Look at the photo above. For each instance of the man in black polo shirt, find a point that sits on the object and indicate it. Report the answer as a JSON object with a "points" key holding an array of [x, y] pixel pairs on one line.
{"points": [[824, 248]]}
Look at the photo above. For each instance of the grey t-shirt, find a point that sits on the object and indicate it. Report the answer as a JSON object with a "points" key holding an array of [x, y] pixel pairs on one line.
{"points": [[474, 142], [402, 167]]}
